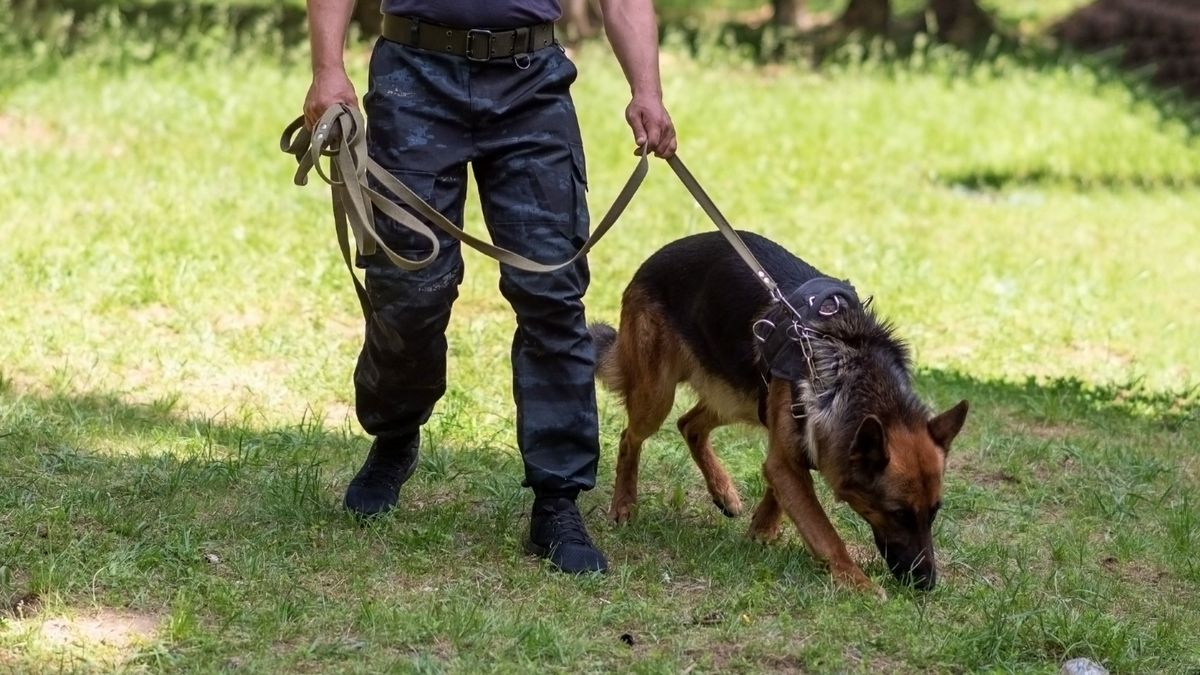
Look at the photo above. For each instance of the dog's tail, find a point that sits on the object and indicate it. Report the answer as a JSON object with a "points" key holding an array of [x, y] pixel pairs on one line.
{"points": [[608, 370]]}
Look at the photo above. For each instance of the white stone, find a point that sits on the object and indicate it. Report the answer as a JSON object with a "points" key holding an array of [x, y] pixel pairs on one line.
{"points": [[1082, 667]]}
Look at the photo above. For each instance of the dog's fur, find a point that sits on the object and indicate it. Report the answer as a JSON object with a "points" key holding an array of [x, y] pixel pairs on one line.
{"points": [[687, 316]]}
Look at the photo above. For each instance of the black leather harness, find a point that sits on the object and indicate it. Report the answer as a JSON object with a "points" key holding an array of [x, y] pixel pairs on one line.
{"points": [[782, 336]]}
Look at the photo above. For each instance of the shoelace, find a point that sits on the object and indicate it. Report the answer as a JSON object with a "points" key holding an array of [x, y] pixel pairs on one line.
{"points": [[383, 472], [569, 528]]}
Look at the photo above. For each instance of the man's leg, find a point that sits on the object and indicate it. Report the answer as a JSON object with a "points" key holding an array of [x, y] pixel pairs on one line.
{"points": [[530, 171], [416, 111]]}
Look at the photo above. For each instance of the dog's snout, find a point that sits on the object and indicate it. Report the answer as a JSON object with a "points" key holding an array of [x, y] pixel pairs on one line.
{"points": [[919, 574], [910, 565], [925, 581]]}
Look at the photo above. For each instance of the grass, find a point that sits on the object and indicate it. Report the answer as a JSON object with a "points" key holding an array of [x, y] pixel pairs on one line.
{"points": [[175, 408]]}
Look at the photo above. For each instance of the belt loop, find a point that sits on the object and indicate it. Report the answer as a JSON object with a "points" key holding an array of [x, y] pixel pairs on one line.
{"points": [[521, 37], [414, 30]]}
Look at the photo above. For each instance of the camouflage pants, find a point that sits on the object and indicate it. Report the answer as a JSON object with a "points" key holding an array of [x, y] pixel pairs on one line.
{"points": [[429, 115]]}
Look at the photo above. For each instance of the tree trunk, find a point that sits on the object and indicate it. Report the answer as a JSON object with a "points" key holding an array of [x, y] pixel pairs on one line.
{"points": [[961, 22], [580, 20], [789, 13], [870, 16]]}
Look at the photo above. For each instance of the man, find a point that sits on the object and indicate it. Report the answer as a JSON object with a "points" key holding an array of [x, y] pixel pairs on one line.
{"points": [[483, 82]]}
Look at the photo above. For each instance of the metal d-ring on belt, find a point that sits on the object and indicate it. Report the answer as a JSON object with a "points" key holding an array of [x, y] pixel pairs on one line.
{"points": [[340, 135]]}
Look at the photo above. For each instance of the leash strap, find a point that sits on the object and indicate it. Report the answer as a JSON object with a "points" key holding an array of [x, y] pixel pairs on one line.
{"points": [[340, 135], [714, 214]]}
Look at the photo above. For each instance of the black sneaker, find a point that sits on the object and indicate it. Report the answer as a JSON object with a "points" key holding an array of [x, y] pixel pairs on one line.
{"points": [[556, 533], [376, 487]]}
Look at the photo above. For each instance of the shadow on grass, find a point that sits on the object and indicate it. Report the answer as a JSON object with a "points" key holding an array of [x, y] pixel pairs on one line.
{"points": [[98, 456], [237, 525], [995, 179]]}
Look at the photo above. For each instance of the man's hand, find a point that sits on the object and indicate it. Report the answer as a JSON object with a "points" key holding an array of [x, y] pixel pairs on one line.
{"points": [[329, 87], [652, 127], [327, 20]]}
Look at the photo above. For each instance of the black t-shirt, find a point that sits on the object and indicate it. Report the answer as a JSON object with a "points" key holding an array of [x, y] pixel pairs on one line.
{"points": [[477, 13]]}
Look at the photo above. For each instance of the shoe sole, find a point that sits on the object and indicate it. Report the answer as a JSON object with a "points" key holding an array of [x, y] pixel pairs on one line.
{"points": [[543, 552], [535, 549]]}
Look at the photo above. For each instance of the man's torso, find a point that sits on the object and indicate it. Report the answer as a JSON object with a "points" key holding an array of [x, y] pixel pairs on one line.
{"points": [[477, 13]]}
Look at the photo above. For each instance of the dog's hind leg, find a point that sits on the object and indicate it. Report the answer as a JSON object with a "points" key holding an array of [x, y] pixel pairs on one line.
{"points": [[647, 405], [696, 426], [650, 363]]}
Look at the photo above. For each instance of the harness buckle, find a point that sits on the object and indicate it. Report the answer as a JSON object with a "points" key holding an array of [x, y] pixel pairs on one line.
{"points": [[487, 36], [798, 410]]}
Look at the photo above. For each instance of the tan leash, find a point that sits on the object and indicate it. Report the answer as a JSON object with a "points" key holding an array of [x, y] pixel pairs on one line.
{"points": [[340, 135]]}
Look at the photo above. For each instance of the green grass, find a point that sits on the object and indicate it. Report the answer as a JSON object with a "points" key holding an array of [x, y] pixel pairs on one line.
{"points": [[175, 405]]}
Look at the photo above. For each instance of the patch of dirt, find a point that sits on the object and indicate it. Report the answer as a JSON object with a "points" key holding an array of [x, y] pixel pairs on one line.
{"points": [[1019, 425], [718, 654], [1049, 431], [117, 629], [1134, 571], [153, 315], [962, 466], [862, 553], [18, 131], [1190, 468], [22, 606], [239, 321], [783, 663], [722, 656]]}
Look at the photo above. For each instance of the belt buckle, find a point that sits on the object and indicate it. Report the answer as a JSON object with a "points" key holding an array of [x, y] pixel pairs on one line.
{"points": [[471, 35]]}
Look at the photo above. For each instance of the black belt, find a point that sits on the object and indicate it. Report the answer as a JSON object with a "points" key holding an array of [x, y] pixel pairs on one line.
{"points": [[476, 44]]}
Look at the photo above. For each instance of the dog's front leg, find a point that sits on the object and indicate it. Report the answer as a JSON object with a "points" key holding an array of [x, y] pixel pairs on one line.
{"points": [[792, 488], [764, 526]]}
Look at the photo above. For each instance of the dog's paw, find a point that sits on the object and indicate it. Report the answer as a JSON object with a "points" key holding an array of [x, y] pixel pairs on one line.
{"points": [[620, 513], [764, 535], [730, 508], [853, 579]]}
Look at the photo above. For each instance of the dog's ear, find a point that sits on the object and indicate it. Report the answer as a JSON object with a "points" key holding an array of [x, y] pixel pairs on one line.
{"points": [[946, 426], [870, 445]]}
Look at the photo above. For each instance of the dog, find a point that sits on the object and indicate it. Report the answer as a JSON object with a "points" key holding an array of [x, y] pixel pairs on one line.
{"points": [[831, 383]]}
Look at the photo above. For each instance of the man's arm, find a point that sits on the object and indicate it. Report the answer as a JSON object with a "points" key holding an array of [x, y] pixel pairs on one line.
{"points": [[327, 21], [633, 31]]}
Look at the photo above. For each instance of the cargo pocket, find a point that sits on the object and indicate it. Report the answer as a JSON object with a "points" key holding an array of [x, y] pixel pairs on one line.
{"points": [[387, 283], [582, 225]]}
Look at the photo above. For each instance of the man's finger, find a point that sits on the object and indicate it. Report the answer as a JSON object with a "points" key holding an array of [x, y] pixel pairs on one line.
{"points": [[639, 130], [666, 146], [671, 147], [653, 135]]}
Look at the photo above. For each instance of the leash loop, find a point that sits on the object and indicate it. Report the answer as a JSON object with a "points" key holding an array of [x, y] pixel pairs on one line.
{"points": [[340, 137]]}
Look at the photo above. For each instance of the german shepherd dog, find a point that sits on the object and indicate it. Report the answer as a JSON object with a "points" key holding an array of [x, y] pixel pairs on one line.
{"points": [[835, 396]]}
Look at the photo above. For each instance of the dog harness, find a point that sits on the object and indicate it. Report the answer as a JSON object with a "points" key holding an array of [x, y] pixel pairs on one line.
{"points": [[782, 335]]}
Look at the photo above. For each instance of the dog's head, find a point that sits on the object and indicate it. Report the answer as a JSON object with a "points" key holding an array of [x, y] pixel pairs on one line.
{"points": [[892, 477]]}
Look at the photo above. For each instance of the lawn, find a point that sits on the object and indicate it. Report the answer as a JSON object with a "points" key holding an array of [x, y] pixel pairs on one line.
{"points": [[176, 423]]}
